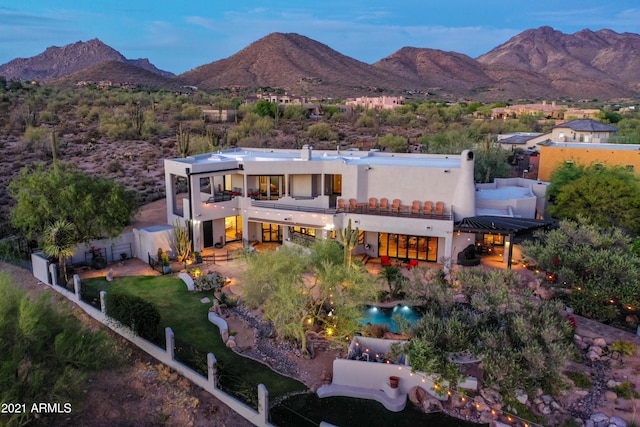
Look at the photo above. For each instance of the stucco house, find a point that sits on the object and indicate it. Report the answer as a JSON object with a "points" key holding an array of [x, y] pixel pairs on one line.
{"points": [[406, 206], [376, 102]]}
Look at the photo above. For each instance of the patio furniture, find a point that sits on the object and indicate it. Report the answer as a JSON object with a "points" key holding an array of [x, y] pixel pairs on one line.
{"points": [[439, 208], [412, 264], [353, 205], [384, 205], [384, 260], [373, 204], [428, 208], [415, 207], [395, 206], [341, 205]]}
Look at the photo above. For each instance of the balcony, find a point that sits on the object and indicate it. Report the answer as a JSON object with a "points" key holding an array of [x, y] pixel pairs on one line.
{"points": [[361, 210]]}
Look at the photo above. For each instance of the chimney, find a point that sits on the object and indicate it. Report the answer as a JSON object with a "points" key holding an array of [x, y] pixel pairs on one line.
{"points": [[544, 102], [553, 103], [306, 152]]}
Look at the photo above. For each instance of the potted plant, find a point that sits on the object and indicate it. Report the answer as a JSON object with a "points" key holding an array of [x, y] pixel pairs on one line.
{"points": [[166, 264], [393, 381]]}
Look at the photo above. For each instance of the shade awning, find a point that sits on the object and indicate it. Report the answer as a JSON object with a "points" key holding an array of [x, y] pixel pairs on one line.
{"points": [[500, 225]]}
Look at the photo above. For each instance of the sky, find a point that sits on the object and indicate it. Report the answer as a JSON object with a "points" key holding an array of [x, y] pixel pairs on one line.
{"points": [[180, 35]]}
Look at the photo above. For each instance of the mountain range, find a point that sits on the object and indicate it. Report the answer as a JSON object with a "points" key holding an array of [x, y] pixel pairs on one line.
{"points": [[537, 63]]}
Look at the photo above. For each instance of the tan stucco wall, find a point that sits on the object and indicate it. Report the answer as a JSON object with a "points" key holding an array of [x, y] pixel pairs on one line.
{"points": [[552, 157]]}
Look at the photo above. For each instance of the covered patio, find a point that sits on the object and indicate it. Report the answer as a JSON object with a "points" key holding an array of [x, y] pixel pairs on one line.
{"points": [[512, 228]]}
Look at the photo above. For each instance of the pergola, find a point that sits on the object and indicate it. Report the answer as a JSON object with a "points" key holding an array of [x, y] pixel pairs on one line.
{"points": [[506, 226]]}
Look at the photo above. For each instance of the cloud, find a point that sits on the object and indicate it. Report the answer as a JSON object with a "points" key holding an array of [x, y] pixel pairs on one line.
{"points": [[209, 24]]}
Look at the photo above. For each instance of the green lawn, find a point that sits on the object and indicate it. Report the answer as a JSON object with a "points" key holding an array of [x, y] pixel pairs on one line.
{"points": [[187, 316]]}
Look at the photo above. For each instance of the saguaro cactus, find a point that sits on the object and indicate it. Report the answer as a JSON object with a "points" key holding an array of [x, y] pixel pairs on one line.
{"points": [[349, 238], [182, 137]]}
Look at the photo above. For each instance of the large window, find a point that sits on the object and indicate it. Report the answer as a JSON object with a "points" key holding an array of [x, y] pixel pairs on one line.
{"points": [[233, 228], [402, 246], [271, 232], [271, 187]]}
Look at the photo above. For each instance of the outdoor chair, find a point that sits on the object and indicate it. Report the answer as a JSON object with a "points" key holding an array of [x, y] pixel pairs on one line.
{"points": [[384, 205], [384, 260], [353, 205], [415, 207], [428, 208], [395, 206], [412, 264], [373, 204], [341, 205], [439, 208]]}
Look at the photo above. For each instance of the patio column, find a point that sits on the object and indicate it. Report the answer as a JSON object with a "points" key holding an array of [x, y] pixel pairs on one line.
{"points": [[448, 248], [508, 250]]}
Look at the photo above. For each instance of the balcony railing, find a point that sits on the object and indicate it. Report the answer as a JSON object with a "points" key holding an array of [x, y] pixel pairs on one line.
{"points": [[362, 210]]}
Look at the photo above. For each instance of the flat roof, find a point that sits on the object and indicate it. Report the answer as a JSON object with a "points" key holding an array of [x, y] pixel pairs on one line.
{"points": [[349, 157], [592, 145], [504, 193]]}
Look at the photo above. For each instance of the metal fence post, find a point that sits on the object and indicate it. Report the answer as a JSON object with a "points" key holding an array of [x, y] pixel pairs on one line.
{"points": [[171, 343], [103, 302], [263, 403], [77, 286], [212, 370]]}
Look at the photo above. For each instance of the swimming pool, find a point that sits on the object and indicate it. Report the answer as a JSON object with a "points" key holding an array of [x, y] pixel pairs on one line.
{"points": [[385, 316]]}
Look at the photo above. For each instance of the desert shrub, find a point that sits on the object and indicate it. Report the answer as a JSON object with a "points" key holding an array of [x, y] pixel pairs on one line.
{"points": [[35, 136], [375, 331], [365, 122], [321, 132], [580, 379], [48, 117], [114, 166], [623, 347], [209, 282], [189, 112], [9, 252], [46, 353], [626, 390], [141, 316]]}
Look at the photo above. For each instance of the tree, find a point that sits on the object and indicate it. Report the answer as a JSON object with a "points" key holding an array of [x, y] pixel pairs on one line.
{"points": [[59, 241], [491, 162], [606, 196], [330, 303], [93, 205], [395, 143], [394, 279]]}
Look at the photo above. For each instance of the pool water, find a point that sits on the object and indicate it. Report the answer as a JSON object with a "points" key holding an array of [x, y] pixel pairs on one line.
{"points": [[385, 316]]}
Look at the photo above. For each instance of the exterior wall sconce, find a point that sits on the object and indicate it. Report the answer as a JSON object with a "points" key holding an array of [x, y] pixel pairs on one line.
{"points": [[446, 171]]}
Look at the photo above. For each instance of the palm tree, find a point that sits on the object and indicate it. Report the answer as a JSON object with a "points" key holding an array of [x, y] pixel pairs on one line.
{"points": [[59, 242]]}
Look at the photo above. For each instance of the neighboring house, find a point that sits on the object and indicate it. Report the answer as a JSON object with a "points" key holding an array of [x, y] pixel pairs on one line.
{"points": [[579, 113], [377, 102], [548, 111], [288, 196], [220, 115], [554, 154], [582, 130], [522, 140], [283, 100]]}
